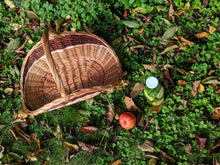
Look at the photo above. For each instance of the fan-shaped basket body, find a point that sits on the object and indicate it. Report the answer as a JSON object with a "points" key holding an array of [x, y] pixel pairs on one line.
{"points": [[80, 66]]}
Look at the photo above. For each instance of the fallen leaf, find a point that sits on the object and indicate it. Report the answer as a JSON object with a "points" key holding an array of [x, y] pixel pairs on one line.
{"points": [[118, 112], [73, 148], [169, 48], [165, 155], [88, 29], [169, 33], [156, 109], [110, 114], [8, 90], [187, 6], [213, 81], [143, 18], [32, 137], [212, 29], [130, 104], [16, 26], [166, 21], [125, 13], [138, 88], [9, 3], [181, 83], [22, 114], [32, 156], [182, 71], [184, 102], [146, 146], [217, 92], [150, 67], [182, 39], [140, 31], [58, 133], [19, 134], [204, 3], [154, 58], [187, 147], [210, 72], [201, 35], [201, 142], [195, 88], [201, 88], [167, 76], [215, 149], [208, 79], [89, 129], [117, 162], [116, 41], [2, 149], [171, 10], [31, 15], [13, 45], [216, 113], [131, 23], [87, 147]]}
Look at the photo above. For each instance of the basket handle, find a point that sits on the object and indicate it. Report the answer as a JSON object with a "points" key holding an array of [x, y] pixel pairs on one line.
{"points": [[52, 65]]}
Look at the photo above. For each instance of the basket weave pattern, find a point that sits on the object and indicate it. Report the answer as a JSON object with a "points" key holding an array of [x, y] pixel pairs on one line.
{"points": [[65, 69]]}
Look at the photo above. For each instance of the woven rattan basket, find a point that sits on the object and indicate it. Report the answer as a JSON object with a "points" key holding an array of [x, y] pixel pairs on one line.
{"points": [[65, 69]]}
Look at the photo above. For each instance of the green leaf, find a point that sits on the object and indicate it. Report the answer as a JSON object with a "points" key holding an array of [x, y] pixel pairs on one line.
{"points": [[10, 3], [131, 24], [13, 45], [169, 33], [31, 15]]}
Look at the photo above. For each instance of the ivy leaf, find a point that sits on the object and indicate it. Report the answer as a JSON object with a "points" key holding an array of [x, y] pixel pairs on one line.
{"points": [[131, 23]]}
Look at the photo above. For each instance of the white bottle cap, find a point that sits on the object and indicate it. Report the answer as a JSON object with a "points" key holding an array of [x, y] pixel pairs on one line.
{"points": [[152, 82]]}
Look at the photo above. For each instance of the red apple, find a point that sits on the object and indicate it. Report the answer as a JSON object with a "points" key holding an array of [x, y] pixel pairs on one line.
{"points": [[127, 120]]}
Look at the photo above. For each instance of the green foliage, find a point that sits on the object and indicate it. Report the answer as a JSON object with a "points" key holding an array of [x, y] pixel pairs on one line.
{"points": [[175, 123]]}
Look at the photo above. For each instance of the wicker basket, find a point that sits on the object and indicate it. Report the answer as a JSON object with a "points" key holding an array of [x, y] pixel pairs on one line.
{"points": [[65, 69]]}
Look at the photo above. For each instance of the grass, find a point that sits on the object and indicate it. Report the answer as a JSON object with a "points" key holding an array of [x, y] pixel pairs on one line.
{"points": [[173, 131]]}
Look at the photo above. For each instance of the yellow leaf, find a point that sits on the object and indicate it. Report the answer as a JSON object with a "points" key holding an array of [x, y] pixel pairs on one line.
{"points": [[10, 3], [187, 6], [117, 162], [201, 88], [212, 29], [201, 35]]}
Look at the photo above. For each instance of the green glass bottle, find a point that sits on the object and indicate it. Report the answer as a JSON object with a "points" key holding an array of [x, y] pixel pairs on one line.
{"points": [[154, 91]]}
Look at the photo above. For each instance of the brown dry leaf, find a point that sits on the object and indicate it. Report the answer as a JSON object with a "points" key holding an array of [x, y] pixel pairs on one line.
{"points": [[150, 67], [217, 92], [210, 72], [184, 102], [171, 10], [125, 13], [140, 119], [87, 147], [201, 142], [195, 88], [154, 58], [71, 147], [204, 3], [140, 31], [110, 114], [32, 156], [167, 76], [201, 35], [182, 39], [201, 88], [116, 41], [215, 149], [58, 133], [88, 29], [156, 109], [146, 146], [89, 129], [19, 134], [118, 112], [22, 114], [187, 147], [181, 83], [130, 104], [216, 113], [143, 18], [32, 137], [165, 155], [117, 162], [182, 71], [138, 88]]}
